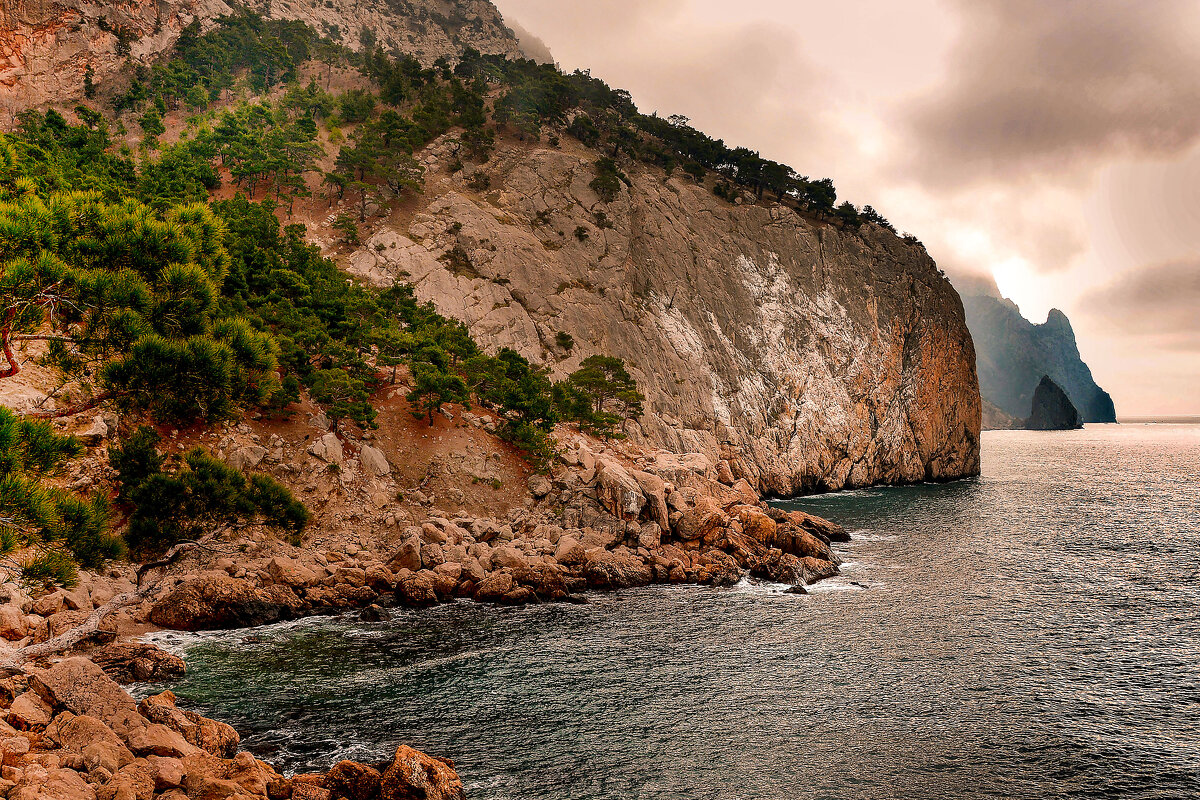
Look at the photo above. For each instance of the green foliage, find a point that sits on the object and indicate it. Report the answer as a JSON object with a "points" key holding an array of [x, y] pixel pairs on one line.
{"points": [[600, 396], [198, 496], [348, 228], [343, 397], [136, 461], [434, 385], [55, 528], [130, 297], [607, 183], [564, 341]]}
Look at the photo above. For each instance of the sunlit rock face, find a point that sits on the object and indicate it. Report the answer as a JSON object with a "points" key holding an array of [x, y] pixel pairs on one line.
{"points": [[48, 46], [807, 356]]}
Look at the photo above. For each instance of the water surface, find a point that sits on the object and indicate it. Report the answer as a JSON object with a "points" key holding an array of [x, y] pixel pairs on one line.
{"points": [[1034, 633]]}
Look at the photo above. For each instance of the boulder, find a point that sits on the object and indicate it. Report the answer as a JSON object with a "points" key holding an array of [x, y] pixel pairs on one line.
{"points": [[157, 739], [291, 572], [54, 784], [799, 542], [569, 551], [494, 587], [79, 686], [545, 580], [416, 776], [247, 457], [702, 520], [13, 624], [756, 523], [408, 556], [540, 486], [816, 569], [168, 772], [353, 781], [615, 569], [374, 461], [328, 448], [215, 601], [210, 735], [134, 781], [91, 738], [821, 528], [29, 712], [655, 490], [508, 557], [138, 661], [417, 589], [718, 568], [617, 490]]}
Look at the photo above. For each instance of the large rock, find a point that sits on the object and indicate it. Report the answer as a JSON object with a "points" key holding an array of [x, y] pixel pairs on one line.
{"points": [[138, 661], [416, 776], [215, 601], [353, 781], [13, 624], [618, 490], [79, 686], [210, 735], [374, 461], [91, 738], [701, 520], [291, 572], [614, 569], [54, 784], [328, 448], [1052, 409]]}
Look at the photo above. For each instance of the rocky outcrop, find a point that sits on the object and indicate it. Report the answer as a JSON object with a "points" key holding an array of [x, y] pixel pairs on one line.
{"points": [[1014, 353], [47, 46], [1052, 409], [806, 356], [93, 742]]}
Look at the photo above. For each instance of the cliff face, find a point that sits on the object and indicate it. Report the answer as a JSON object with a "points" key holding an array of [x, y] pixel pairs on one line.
{"points": [[1014, 354], [808, 357], [47, 46]]}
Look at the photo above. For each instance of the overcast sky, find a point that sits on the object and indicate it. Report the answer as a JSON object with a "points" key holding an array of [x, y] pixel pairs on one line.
{"points": [[1053, 144]]}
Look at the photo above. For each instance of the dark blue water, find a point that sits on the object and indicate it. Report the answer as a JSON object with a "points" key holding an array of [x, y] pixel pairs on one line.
{"points": [[1034, 633]]}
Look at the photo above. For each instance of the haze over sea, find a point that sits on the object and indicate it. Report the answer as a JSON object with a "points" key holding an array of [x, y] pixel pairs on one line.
{"points": [[1034, 633]]}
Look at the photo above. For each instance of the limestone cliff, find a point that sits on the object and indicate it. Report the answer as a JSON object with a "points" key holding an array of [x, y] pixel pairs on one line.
{"points": [[807, 356], [1015, 353], [47, 46]]}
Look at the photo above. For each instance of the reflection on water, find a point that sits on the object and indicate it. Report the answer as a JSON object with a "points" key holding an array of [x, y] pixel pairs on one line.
{"points": [[1031, 634]]}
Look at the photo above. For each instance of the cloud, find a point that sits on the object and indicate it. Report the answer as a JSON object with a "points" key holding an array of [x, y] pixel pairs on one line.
{"points": [[1159, 301], [1038, 87]]}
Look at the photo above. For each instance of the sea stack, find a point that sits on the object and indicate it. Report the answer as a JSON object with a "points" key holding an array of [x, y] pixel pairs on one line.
{"points": [[1052, 409]]}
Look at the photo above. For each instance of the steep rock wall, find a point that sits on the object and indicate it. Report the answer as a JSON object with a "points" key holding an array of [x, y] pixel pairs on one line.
{"points": [[1015, 353], [47, 46], [809, 357]]}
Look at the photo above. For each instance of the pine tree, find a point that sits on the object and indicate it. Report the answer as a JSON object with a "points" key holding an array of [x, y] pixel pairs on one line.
{"points": [[127, 300], [50, 528]]}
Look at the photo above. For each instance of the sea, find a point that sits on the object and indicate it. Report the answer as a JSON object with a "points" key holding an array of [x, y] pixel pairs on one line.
{"points": [[1032, 633]]}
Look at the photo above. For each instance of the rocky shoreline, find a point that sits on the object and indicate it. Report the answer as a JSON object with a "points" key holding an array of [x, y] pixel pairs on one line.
{"points": [[598, 522]]}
